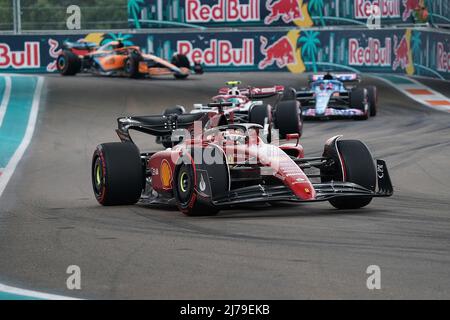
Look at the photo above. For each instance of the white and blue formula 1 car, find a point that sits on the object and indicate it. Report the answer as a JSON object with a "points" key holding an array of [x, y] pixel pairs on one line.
{"points": [[332, 96]]}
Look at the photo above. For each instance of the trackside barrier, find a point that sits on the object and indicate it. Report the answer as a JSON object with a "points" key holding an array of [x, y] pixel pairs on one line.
{"points": [[412, 51], [265, 13]]}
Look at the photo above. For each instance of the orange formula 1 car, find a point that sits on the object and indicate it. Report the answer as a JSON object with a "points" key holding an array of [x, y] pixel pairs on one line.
{"points": [[116, 59]]}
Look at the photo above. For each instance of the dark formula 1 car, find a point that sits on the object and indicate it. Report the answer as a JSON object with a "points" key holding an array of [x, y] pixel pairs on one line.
{"points": [[231, 165], [114, 58], [336, 96], [236, 104]]}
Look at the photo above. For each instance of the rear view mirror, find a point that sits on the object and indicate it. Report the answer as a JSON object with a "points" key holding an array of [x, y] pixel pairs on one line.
{"points": [[293, 136]]}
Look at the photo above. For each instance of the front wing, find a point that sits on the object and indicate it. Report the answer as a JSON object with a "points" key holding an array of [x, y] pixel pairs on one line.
{"points": [[324, 191], [331, 112]]}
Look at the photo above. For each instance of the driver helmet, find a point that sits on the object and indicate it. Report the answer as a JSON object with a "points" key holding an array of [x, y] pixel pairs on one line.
{"points": [[234, 91], [119, 44], [328, 76]]}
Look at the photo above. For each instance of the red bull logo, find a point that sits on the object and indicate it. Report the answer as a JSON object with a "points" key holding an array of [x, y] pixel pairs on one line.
{"points": [[388, 8], [219, 53], [224, 10], [372, 55], [280, 52], [401, 53], [442, 58], [410, 6], [53, 52], [287, 10], [28, 58]]}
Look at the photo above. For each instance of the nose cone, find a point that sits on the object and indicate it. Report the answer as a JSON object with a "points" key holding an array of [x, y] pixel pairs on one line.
{"points": [[322, 100], [302, 189]]}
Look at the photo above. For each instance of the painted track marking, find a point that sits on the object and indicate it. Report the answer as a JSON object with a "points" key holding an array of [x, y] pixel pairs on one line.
{"points": [[17, 293], [417, 91], [14, 160], [5, 99]]}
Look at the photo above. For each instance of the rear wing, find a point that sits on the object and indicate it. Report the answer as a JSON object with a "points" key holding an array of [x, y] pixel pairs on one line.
{"points": [[157, 125], [343, 77], [255, 92]]}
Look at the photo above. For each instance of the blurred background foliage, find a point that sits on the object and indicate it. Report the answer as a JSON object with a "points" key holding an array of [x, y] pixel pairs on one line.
{"points": [[52, 15]]}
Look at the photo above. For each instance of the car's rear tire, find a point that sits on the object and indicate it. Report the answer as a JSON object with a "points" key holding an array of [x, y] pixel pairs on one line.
{"points": [[358, 100], [132, 66], [68, 63], [288, 118], [288, 94], [372, 97], [359, 168], [181, 61], [117, 173], [174, 110], [186, 196]]}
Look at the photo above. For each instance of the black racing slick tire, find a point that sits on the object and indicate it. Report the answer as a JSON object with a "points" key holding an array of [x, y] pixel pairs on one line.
{"points": [[132, 66], [174, 110], [181, 61], [258, 114], [117, 173], [358, 100], [359, 168], [68, 63], [288, 118], [288, 94], [186, 196], [372, 97]]}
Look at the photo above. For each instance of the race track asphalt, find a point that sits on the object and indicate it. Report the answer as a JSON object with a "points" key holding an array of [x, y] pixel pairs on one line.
{"points": [[49, 218]]}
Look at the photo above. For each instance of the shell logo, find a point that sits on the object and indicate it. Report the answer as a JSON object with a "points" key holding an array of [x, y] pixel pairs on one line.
{"points": [[165, 173]]}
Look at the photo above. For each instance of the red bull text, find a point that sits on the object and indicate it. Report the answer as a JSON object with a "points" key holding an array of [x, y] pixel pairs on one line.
{"points": [[224, 10], [220, 53], [28, 58], [388, 8], [442, 58], [372, 55]]}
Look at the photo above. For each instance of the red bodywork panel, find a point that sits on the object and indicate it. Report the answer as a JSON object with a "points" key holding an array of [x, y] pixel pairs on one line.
{"points": [[255, 92], [162, 164]]}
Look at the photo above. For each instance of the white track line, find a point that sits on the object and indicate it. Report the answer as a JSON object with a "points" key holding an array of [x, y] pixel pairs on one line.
{"points": [[32, 294], [12, 164], [8, 172], [5, 99]]}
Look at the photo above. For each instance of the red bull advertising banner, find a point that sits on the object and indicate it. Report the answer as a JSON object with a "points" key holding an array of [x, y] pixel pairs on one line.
{"points": [[423, 52], [301, 13]]}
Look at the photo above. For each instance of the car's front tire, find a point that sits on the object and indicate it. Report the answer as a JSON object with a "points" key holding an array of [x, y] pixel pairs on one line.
{"points": [[359, 168], [117, 173], [180, 61], [184, 189], [372, 97], [359, 100]]}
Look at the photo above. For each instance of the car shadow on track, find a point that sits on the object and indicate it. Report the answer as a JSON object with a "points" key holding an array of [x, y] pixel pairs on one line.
{"points": [[288, 211], [279, 210]]}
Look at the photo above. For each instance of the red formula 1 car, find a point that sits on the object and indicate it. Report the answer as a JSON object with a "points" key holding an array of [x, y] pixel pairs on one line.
{"points": [[116, 59], [231, 165], [236, 104]]}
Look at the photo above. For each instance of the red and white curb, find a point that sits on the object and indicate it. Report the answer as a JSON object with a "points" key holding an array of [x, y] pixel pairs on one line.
{"points": [[419, 92]]}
